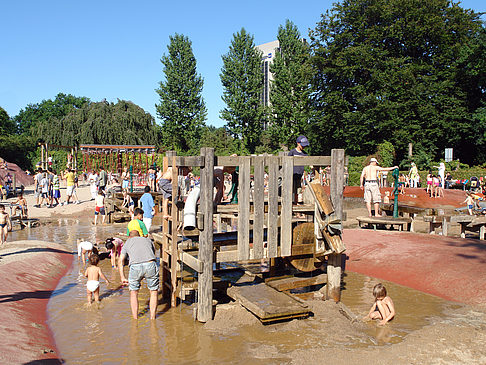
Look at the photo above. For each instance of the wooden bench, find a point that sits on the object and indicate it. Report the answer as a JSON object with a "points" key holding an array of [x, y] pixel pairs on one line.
{"points": [[475, 225], [412, 212], [401, 222], [444, 221]]}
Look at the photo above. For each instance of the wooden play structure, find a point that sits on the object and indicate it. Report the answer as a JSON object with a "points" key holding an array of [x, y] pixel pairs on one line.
{"points": [[115, 157], [269, 226], [46, 147]]}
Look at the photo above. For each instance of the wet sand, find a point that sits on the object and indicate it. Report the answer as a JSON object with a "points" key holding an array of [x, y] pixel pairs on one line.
{"points": [[427, 330], [30, 271]]}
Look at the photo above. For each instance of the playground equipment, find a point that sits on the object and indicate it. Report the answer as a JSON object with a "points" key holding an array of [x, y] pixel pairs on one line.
{"points": [[267, 227], [115, 157], [46, 147]]}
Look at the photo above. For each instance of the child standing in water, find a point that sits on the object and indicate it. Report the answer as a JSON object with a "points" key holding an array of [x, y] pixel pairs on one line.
{"points": [[93, 274], [5, 224], [383, 307]]}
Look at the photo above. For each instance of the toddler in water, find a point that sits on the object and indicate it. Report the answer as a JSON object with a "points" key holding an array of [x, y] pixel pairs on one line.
{"points": [[93, 274], [383, 307]]}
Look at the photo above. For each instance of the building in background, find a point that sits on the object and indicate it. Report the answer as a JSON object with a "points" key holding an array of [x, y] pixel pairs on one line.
{"points": [[269, 50]]}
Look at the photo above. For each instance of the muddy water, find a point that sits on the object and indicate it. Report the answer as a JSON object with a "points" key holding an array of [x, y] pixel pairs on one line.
{"points": [[107, 334]]}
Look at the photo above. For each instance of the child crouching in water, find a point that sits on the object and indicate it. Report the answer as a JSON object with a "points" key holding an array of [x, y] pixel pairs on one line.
{"points": [[383, 307], [93, 274]]}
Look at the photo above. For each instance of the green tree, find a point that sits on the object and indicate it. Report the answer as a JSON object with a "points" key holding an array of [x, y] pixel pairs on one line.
{"points": [[386, 70], [220, 139], [181, 107], [101, 123], [7, 125], [29, 118], [242, 80], [290, 90]]}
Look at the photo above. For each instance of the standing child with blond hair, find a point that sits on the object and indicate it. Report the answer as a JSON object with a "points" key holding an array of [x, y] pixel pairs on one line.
{"points": [[93, 274]]}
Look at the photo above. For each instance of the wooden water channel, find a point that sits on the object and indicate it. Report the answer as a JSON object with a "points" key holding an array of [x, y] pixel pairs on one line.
{"points": [[265, 223]]}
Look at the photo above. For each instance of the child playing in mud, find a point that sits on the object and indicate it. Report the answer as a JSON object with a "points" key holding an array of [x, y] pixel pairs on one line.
{"points": [[5, 224], [20, 203], [114, 245], [84, 248], [383, 307], [93, 274], [470, 203]]}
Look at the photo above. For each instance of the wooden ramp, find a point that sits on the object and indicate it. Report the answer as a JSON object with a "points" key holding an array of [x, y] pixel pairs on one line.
{"points": [[268, 304]]}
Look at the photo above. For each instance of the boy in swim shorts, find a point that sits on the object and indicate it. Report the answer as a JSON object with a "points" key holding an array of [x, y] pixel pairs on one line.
{"points": [[100, 207], [93, 274], [5, 224]]}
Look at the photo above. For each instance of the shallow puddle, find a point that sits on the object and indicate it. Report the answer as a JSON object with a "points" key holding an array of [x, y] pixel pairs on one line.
{"points": [[108, 334]]}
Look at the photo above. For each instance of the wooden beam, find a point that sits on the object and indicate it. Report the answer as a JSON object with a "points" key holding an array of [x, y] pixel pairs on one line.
{"points": [[244, 209], [189, 161], [259, 206], [191, 261], [296, 282], [272, 232], [205, 278], [286, 214], [298, 160]]}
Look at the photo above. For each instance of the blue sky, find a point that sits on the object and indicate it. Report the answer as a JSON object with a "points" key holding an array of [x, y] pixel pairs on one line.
{"points": [[112, 49]]}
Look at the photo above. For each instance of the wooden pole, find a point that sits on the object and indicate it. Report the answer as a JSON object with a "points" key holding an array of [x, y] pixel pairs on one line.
{"points": [[174, 224], [205, 279], [334, 269]]}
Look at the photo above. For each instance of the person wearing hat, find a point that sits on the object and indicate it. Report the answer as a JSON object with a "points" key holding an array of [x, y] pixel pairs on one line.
{"points": [[369, 183], [414, 175], [299, 150]]}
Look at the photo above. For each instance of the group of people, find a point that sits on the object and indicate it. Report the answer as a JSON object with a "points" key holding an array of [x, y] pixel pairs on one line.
{"points": [[47, 187]]}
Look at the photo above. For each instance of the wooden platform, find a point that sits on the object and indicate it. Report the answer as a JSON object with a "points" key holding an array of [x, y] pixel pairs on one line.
{"points": [[268, 304], [375, 222], [444, 221]]}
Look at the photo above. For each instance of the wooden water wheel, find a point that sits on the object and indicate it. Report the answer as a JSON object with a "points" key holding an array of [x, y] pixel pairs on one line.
{"points": [[303, 248]]}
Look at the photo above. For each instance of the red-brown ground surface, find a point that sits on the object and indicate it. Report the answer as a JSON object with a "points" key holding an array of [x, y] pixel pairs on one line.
{"points": [[30, 271], [451, 268], [416, 197], [21, 177]]}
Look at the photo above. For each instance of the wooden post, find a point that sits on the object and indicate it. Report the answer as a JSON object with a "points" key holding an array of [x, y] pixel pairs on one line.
{"points": [[286, 213], [244, 209], [272, 231], [205, 279], [174, 224], [258, 207], [337, 186]]}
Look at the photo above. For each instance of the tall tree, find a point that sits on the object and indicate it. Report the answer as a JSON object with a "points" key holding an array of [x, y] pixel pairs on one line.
{"points": [[385, 70], [242, 80], [290, 90], [101, 123], [29, 118], [7, 125], [182, 108]]}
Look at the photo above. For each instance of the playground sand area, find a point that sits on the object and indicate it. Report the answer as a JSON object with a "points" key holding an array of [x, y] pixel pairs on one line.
{"points": [[426, 330]]}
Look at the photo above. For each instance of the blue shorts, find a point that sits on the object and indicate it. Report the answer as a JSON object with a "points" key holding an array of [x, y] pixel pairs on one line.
{"points": [[148, 270], [125, 184]]}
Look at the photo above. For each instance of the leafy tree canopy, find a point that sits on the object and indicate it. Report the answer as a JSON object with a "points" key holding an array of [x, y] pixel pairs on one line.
{"points": [[386, 70], [290, 90], [101, 123], [242, 81], [7, 125], [182, 108], [34, 114]]}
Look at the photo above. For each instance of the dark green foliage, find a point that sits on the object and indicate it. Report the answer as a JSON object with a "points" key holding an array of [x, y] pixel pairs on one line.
{"points": [[7, 125], [19, 149], [219, 139], [101, 123], [242, 80], [386, 70], [386, 154], [29, 118], [290, 90], [181, 107]]}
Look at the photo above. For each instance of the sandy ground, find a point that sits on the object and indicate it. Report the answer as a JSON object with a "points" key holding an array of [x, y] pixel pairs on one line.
{"points": [[30, 271], [85, 207]]}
